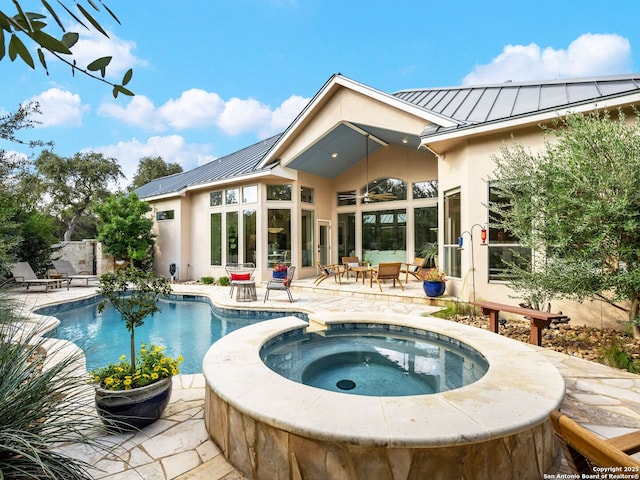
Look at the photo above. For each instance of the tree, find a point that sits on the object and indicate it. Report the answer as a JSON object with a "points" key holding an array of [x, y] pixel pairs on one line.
{"points": [[75, 184], [576, 205], [125, 231], [150, 168], [34, 27], [25, 232]]}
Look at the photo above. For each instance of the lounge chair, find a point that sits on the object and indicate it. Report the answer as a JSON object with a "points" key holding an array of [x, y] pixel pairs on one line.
{"points": [[328, 271], [386, 271], [281, 284], [584, 450], [239, 272], [348, 263], [414, 268], [24, 275], [67, 270]]}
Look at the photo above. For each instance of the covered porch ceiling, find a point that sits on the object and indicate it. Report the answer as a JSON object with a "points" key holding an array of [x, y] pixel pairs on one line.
{"points": [[345, 145]]}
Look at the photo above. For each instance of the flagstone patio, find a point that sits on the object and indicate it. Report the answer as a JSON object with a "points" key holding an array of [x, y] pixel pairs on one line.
{"points": [[604, 399]]}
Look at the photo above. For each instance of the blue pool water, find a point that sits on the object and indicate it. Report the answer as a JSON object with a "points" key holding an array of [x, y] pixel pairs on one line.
{"points": [[375, 362], [186, 325]]}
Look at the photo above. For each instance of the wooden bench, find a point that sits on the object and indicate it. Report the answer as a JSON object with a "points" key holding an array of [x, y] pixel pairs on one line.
{"points": [[537, 318]]}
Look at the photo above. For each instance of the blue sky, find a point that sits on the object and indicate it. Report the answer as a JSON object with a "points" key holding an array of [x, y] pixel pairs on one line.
{"points": [[212, 77]]}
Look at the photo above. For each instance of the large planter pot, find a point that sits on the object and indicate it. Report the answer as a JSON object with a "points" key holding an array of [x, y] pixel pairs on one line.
{"points": [[124, 410], [280, 275], [433, 289]]}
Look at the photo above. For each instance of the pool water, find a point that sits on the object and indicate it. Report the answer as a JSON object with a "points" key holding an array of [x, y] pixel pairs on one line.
{"points": [[375, 363], [185, 327]]}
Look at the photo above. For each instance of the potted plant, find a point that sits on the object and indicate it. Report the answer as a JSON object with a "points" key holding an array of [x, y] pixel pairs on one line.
{"points": [[280, 270], [433, 282], [132, 394]]}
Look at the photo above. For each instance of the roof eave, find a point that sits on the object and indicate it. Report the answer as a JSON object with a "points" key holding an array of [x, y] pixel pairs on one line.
{"points": [[217, 183]]}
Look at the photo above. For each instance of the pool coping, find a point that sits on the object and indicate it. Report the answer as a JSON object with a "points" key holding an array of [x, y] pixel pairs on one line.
{"points": [[517, 393]]}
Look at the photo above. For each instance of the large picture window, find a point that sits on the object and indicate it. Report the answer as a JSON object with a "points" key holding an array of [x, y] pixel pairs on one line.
{"points": [[504, 247], [306, 238], [425, 228], [384, 236], [452, 231], [346, 235], [279, 233], [216, 239], [249, 222], [232, 237]]}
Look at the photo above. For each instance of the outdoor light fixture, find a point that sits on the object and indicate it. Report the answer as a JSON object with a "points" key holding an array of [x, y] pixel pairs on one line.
{"points": [[273, 228], [334, 155], [483, 237]]}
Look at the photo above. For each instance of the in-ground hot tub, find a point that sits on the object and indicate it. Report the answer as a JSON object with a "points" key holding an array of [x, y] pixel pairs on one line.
{"points": [[271, 427]]}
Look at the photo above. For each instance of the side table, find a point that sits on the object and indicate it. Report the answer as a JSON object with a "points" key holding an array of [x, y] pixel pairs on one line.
{"points": [[246, 291]]}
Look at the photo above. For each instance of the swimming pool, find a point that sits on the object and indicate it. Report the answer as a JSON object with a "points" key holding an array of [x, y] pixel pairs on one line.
{"points": [[187, 325]]}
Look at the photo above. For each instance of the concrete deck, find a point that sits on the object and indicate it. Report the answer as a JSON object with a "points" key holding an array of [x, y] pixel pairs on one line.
{"points": [[604, 399]]}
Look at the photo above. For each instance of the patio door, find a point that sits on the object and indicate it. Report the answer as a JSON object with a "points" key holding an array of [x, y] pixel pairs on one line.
{"points": [[324, 242]]}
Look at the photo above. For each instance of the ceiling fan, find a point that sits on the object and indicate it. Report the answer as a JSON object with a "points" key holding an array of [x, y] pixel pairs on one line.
{"points": [[370, 194]]}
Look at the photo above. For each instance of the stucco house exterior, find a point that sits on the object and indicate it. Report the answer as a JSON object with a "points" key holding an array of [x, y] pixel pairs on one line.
{"points": [[371, 174]]}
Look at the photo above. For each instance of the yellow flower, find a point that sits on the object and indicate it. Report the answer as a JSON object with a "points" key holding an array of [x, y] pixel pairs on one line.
{"points": [[108, 381], [156, 368], [123, 357], [127, 381], [180, 359], [154, 376]]}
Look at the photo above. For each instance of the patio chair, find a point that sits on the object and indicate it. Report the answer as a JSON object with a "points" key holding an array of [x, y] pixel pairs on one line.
{"points": [[414, 268], [239, 272], [348, 263], [328, 271], [24, 275], [386, 271], [584, 450], [281, 284], [66, 269]]}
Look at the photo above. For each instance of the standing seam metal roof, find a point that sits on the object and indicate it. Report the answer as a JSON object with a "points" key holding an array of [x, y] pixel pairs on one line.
{"points": [[236, 164], [486, 103]]}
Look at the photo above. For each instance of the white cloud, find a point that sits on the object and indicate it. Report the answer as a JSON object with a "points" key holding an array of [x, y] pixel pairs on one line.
{"points": [[172, 149], [59, 108], [93, 45], [588, 55], [285, 114], [194, 108], [140, 112], [197, 108], [240, 116]]}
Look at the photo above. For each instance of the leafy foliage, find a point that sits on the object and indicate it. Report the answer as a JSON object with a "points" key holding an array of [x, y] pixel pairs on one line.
{"points": [[125, 231], [33, 26], [152, 365], [76, 183], [150, 168], [42, 404], [134, 294], [576, 204]]}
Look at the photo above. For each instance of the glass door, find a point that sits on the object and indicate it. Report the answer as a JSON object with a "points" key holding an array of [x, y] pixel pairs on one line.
{"points": [[324, 242]]}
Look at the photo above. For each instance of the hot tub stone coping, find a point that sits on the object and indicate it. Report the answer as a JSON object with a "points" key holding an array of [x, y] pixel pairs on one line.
{"points": [[517, 393]]}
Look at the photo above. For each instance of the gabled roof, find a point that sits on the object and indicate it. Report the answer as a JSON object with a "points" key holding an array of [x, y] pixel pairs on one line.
{"points": [[448, 113], [238, 164], [482, 104]]}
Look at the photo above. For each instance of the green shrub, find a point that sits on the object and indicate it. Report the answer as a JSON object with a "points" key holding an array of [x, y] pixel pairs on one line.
{"points": [[615, 356], [224, 281], [452, 309], [207, 280]]}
